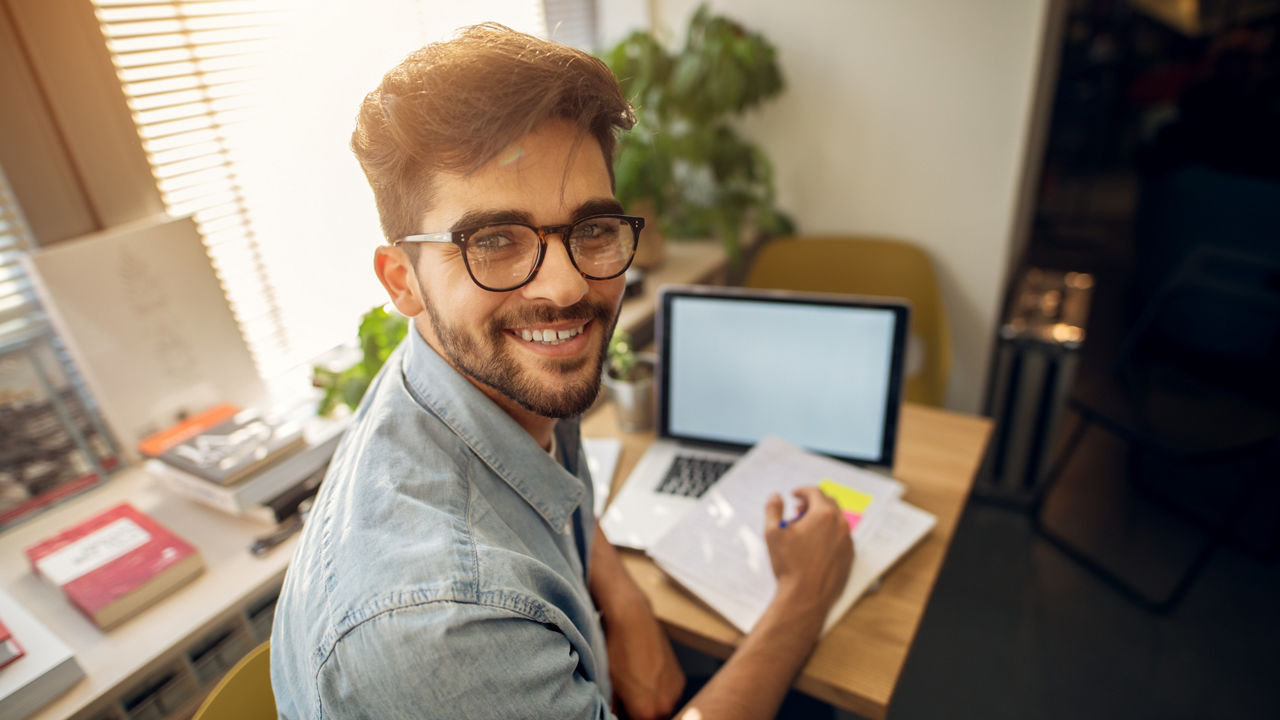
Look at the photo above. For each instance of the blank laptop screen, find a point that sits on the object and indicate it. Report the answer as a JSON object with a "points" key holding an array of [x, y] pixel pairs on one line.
{"points": [[820, 375]]}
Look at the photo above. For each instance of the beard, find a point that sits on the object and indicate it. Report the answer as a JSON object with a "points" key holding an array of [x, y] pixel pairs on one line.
{"points": [[485, 357]]}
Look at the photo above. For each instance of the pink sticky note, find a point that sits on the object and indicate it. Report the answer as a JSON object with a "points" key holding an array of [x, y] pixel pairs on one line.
{"points": [[853, 518]]}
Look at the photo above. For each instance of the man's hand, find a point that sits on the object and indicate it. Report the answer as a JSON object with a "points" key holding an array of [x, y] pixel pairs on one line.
{"points": [[811, 558], [647, 679], [812, 555]]}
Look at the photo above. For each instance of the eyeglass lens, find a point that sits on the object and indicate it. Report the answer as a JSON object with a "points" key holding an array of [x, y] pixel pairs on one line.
{"points": [[501, 257]]}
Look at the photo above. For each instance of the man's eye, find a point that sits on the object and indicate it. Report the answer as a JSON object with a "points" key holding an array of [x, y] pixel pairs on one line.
{"points": [[492, 240], [593, 229]]}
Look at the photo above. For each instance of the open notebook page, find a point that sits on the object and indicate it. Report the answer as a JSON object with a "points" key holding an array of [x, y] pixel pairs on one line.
{"points": [[718, 552]]}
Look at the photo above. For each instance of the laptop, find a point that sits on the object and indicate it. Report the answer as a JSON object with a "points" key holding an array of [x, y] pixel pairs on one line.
{"points": [[823, 371]]}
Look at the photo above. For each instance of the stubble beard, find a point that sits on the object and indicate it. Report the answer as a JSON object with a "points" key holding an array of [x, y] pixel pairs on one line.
{"points": [[486, 358]]}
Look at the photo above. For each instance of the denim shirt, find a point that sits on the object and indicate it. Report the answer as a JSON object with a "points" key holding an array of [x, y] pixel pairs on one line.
{"points": [[442, 572]]}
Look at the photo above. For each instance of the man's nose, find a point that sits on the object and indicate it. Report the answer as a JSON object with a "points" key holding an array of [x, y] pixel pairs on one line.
{"points": [[557, 281]]}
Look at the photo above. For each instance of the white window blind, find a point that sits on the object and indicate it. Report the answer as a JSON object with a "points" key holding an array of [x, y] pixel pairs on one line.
{"points": [[245, 110], [572, 22], [17, 298], [187, 69]]}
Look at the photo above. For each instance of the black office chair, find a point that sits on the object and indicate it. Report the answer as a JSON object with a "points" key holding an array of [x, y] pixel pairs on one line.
{"points": [[1194, 401]]}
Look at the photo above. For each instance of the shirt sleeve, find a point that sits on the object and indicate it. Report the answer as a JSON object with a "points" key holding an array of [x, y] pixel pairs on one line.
{"points": [[456, 660]]}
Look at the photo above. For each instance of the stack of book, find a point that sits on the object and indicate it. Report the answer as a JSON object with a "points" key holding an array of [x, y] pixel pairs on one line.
{"points": [[244, 462]]}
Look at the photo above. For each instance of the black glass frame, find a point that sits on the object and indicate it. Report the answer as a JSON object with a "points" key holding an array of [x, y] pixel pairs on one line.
{"points": [[460, 238]]}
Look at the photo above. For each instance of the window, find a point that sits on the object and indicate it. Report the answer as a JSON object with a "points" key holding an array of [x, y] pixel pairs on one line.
{"points": [[245, 110]]}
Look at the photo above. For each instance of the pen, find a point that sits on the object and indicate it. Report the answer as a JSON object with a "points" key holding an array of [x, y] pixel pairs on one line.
{"points": [[782, 524]]}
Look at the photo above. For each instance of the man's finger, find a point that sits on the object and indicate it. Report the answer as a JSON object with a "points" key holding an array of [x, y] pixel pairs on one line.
{"points": [[802, 501], [773, 511], [811, 495]]}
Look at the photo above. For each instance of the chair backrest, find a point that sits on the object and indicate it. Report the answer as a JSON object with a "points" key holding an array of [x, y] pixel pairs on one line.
{"points": [[244, 693], [869, 266]]}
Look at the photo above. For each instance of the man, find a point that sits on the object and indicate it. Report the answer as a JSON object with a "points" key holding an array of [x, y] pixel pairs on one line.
{"points": [[452, 567]]}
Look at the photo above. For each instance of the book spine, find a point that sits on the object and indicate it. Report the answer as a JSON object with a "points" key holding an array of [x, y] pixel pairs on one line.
{"points": [[281, 507], [196, 488]]}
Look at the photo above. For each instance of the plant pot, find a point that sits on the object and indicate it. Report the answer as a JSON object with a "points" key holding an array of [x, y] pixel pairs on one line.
{"points": [[634, 399]]}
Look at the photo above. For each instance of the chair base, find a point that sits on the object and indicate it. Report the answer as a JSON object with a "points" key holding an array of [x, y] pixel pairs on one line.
{"points": [[1131, 534]]}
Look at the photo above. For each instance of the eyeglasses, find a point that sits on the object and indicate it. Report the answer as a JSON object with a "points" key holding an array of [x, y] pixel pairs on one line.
{"points": [[504, 257]]}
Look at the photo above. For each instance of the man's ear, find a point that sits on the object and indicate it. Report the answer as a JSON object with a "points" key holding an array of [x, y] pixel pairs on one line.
{"points": [[397, 275]]}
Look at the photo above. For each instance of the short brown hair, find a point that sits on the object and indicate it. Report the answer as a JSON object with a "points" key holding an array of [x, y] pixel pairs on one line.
{"points": [[451, 106]]}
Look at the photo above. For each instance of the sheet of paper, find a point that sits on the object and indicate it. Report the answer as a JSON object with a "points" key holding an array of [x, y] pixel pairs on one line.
{"points": [[718, 552], [905, 526], [602, 460]]}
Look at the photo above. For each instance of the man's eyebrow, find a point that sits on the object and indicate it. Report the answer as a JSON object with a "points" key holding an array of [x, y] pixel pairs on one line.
{"points": [[480, 218], [599, 206]]}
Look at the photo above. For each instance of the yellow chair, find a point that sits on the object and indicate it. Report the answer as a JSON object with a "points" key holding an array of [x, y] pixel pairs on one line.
{"points": [[244, 693], [869, 266]]}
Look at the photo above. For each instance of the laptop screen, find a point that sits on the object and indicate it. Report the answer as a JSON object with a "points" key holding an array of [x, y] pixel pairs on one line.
{"points": [[821, 371]]}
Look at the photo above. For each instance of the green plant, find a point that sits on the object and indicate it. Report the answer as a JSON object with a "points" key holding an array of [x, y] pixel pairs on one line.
{"points": [[622, 359], [623, 364], [380, 332], [684, 155]]}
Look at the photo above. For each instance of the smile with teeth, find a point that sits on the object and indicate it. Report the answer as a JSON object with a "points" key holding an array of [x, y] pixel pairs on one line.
{"points": [[549, 336]]}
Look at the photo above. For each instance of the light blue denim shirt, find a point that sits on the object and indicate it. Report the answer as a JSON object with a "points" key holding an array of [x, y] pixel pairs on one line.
{"points": [[442, 573]]}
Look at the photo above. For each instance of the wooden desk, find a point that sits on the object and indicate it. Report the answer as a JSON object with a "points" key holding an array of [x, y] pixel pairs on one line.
{"points": [[856, 665]]}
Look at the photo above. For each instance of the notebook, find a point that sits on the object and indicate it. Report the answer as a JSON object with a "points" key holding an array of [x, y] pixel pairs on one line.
{"points": [[718, 550], [735, 365]]}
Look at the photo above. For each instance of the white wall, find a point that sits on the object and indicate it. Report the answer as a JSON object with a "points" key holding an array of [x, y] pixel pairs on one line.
{"points": [[907, 118]]}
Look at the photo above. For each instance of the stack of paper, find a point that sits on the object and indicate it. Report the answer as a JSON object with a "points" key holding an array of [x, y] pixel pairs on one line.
{"points": [[718, 552], [602, 459]]}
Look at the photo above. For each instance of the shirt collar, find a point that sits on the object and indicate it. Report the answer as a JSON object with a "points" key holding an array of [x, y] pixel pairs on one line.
{"points": [[551, 489]]}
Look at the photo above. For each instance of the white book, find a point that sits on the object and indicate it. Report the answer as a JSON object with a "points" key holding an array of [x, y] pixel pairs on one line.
{"points": [[322, 438], [46, 671], [717, 550]]}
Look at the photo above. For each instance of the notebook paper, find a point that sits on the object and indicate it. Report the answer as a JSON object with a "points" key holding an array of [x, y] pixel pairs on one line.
{"points": [[718, 551]]}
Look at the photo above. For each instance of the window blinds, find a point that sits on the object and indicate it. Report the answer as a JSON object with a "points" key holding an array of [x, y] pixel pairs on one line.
{"points": [[187, 69], [17, 298], [572, 22]]}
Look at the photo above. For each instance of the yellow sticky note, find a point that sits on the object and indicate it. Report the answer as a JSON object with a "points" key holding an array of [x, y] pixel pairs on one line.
{"points": [[847, 498]]}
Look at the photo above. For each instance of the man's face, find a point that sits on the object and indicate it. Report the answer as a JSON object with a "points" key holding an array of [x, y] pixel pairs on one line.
{"points": [[552, 176]]}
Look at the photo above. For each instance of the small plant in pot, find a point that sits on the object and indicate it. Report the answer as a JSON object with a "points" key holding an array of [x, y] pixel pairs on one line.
{"points": [[629, 377]]}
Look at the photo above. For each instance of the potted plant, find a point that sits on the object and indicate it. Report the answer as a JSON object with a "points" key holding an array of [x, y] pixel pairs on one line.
{"points": [[380, 332], [629, 377], [684, 161]]}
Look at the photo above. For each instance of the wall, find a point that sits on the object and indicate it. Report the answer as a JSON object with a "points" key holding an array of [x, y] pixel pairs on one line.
{"points": [[908, 118]]}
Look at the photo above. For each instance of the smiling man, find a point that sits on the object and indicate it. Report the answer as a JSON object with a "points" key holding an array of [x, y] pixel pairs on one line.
{"points": [[451, 567]]}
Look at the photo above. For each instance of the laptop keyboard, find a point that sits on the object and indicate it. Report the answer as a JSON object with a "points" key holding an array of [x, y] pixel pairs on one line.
{"points": [[691, 476]]}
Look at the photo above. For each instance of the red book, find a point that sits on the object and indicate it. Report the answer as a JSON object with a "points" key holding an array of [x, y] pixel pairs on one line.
{"points": [[10, 650], [116, 563]]}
